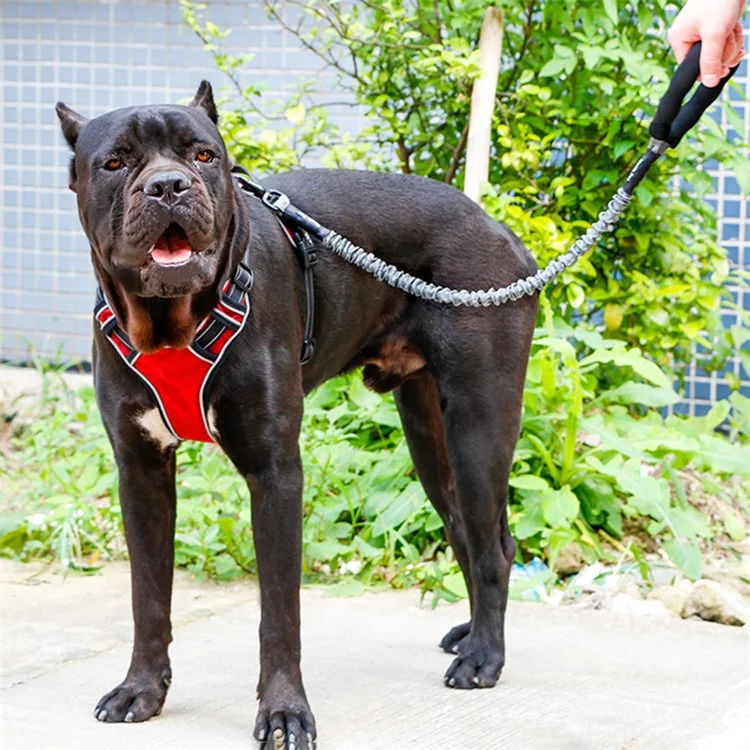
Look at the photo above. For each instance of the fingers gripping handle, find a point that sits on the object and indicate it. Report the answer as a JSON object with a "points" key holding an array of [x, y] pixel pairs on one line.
{"points": [[670, 122]]}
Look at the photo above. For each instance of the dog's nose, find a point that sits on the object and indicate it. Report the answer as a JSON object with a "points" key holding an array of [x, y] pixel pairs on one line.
{"points": [[165, 186]]}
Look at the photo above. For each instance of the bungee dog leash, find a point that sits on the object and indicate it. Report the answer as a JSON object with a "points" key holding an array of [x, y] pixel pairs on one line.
{"points": [[671, 121]]}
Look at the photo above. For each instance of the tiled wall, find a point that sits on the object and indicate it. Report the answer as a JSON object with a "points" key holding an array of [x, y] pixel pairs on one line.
{"points": [[95, 56], [99, 54]]}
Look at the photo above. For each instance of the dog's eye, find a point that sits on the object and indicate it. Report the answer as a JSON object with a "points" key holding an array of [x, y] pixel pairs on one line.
{"points": [[204, 156], [112, 165]]}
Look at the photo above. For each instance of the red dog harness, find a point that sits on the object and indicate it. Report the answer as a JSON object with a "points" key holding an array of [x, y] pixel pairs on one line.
{"points": [[179, 379]]}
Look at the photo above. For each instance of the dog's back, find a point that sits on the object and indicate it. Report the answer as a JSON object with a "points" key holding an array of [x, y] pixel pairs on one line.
{"points": [[420, 225]]}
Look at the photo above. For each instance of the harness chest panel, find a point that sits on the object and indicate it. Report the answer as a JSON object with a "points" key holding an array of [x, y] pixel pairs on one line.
{"points": [[180, 379]]}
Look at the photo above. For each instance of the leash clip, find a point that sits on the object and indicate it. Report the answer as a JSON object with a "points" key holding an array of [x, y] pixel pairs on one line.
{"points": [[275, 200]]}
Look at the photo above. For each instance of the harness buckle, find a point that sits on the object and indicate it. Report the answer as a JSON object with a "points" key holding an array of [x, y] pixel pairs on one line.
{"points": [[275, 200], [308, 349], [308, 256]]}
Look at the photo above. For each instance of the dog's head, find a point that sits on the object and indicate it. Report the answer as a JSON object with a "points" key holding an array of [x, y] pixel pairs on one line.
{"points": [[159, 207]]}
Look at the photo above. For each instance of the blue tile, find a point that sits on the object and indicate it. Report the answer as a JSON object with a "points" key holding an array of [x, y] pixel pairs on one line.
{"points": [[102, 55], [47, 31], [731, 209], [9, 258], [83, 53], [731, 186], [67, 32], [722, 391], [701, 410]]}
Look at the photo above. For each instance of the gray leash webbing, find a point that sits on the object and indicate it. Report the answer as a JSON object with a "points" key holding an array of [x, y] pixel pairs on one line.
{"points": [[404, 281]]}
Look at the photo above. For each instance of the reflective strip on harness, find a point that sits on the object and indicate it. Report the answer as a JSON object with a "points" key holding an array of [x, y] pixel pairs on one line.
{"points": [[179, 379]]}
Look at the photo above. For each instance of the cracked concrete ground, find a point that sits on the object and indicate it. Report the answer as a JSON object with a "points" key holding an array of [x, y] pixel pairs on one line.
{"points": [[575, 679]]}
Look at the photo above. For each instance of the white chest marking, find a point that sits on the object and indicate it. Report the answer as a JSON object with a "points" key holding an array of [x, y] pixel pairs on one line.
{"points": [[212, 423], [152, 424]]}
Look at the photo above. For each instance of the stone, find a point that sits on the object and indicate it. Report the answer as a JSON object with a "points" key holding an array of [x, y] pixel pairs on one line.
{"points": [[570, 560], [717, 602], [673, 598]]}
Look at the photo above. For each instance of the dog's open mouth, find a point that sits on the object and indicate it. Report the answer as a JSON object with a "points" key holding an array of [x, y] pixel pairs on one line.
{"points": [[172, 248]]}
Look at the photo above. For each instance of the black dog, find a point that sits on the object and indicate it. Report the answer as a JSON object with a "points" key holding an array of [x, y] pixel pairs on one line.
{"points": [[154, 186]]}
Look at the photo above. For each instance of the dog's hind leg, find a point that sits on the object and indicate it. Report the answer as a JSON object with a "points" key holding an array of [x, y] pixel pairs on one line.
{"points": [[418, 402], [481, 381]]}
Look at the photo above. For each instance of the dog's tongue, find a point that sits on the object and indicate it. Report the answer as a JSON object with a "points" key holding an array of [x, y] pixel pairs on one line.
{"points": [[172, 248]]}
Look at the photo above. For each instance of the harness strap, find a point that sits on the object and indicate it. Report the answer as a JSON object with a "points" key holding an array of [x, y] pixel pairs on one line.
{"points": [[298, 235], [180, 379], [308, 257]]}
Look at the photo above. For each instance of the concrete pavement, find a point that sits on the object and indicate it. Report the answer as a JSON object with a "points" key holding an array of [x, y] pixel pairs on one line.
{"points": [[575, 679]]}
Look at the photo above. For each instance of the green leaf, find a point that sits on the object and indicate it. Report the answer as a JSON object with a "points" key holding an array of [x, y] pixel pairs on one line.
{"points": [[610, 6], [640, 393], [326, 550], [632, 358], [456, 584], [733, 523], [366, 549], [530, 519], [528, 482], [295, 115], [610, 439], [719, 455], [734, 117], [741, 415], [554, 67], [688, 522], [559, 507], [591, 56], [741, 169], [686, 555], [718, 413], [622, 147]]}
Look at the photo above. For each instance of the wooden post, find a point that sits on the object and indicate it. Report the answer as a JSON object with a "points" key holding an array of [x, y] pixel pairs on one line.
{"points": [[483, 103]]}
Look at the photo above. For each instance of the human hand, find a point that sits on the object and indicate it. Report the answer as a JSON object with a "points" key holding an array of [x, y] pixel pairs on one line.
{"points": [[716, 24]]}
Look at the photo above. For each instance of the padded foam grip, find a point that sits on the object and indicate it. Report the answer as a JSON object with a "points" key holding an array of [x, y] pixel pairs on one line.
{"points": [[670, 122]]}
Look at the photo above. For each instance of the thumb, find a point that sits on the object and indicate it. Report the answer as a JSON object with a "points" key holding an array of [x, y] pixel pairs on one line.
{"points": [[712, 54]]}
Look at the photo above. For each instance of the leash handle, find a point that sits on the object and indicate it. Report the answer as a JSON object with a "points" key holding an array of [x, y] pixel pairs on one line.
{"points": [[671, 122]]}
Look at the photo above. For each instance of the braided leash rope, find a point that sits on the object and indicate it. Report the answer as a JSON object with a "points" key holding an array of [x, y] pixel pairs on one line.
{"points": [[404, 281]]}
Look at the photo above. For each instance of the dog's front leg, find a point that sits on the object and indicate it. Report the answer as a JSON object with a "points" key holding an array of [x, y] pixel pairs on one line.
{"points": [[147, 496], [265, 449], [277, 529]]}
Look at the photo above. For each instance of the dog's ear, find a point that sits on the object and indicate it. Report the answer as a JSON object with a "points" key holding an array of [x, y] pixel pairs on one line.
{"points": [[72, 123], [204, 98]]}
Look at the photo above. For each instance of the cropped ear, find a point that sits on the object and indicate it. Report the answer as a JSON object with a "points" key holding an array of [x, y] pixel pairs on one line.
{"points": [[72, 123], [204, 98]]}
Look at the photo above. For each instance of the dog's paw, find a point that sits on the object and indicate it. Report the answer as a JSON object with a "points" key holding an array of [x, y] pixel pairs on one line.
{"points": [[285, 721], [134, 700], [477, 666], [285, 730], [455, 638]]}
